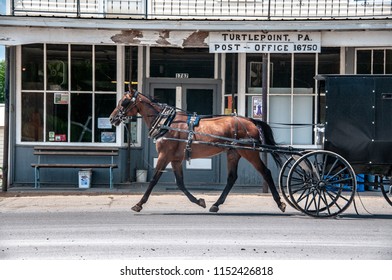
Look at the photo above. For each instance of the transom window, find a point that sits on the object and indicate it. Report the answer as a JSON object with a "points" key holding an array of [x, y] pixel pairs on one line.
{"points": [[373, 61]]}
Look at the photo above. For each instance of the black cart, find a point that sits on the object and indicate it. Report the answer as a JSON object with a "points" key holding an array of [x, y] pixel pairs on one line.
{"points": [[358, 140]]}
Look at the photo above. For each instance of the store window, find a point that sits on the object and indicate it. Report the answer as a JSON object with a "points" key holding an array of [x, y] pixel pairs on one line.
{"points": [[374, 61], [68, 93], [294, 105]]}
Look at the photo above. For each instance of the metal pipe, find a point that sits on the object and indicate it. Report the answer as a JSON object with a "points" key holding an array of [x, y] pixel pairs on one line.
{"points": [[4, 186], [264, 92]]}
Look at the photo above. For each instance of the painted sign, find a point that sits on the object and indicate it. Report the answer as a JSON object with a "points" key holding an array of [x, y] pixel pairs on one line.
{"points": [[259, 42]]}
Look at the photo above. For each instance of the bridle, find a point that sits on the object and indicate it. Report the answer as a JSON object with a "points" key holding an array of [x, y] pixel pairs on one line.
{"points": [[122, 112]]}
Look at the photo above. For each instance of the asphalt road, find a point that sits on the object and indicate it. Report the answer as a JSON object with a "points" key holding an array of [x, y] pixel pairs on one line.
{"points": [[95, 227]]}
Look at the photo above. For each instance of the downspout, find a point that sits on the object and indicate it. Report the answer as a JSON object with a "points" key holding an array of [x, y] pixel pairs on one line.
{"points": [[265, 108]]}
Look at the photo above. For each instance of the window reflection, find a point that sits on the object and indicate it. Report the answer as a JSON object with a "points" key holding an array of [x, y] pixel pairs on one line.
{"points": [[33, 67], [32, 116], [105, 68], [166, 62], [81, 68], [57, 67], [81, 117]]}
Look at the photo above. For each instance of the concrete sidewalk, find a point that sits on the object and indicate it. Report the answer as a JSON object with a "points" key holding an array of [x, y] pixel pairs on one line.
{"points": [[163, 201], [140, 188]]}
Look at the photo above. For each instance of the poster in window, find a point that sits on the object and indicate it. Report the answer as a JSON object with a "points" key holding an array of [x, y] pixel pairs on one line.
{"points": [[104, 123], [108, 137], [61, 98], [257, 107]]}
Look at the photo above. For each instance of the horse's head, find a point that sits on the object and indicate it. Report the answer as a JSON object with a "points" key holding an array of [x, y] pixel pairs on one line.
{"points": [[126, 108]]}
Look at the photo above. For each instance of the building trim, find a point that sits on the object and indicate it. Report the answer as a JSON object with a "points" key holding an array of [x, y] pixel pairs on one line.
{"points": [[207, 25]]}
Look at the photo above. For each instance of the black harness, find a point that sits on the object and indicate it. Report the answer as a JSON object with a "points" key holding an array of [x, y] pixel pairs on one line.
{"points": [[193, 120], [162, 122]]}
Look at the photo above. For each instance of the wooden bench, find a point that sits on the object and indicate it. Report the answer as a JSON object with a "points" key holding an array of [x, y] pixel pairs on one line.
{"points": [[43, 152]]}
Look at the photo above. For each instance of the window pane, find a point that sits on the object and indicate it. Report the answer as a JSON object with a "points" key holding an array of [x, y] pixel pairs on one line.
{"points": [[280, 113], [254, 67], [378, 62], [32, 116], [131, 67], [56, 119], [230, 104], [57, 67], [231, 78], [81, 117], [303, 114], [304, 71], [81, 68], [105, 68], [329, 61], [388, 62], [165, 95], [166, 62], [104, 104], [364, 61], [33, 67], [281, 70]]}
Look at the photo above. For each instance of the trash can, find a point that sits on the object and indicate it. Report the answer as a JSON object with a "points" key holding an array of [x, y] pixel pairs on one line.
{"points": [[85, 178], [141, 175]]}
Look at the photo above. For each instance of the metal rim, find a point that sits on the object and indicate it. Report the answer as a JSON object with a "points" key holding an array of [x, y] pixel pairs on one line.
{"points": [[283, 174], [321, 184], [387, 193]]}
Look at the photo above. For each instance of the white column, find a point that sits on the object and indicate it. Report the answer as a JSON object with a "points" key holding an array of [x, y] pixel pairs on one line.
{"points": [[241, 90]]}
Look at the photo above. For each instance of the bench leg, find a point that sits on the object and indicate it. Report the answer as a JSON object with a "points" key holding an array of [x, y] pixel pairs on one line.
{"points": [[111, 177], [36, 178]]}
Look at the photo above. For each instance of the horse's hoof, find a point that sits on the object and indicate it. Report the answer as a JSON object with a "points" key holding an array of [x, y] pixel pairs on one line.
{"points": [[214, 209], [137, 208], [201, 202], [282, 206]]}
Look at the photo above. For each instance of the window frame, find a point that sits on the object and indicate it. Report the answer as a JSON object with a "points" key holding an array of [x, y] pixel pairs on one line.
{"points": [[117, 93], [384, 49]]}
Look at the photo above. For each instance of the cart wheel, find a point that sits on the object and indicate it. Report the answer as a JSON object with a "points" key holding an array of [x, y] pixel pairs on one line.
{"points": [[283, 178], [321, 184], [387, 192]]}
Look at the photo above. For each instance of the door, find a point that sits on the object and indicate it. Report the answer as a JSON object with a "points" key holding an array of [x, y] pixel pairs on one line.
{"points": [[190, 97]]}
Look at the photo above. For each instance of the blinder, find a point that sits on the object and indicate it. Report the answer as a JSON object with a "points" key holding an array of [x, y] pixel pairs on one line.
{"points": [[127, 105]]}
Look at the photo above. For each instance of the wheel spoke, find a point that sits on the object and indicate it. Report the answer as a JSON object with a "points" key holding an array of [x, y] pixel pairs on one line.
{"points": [[302, 195], [334, 200], [332, 167], [340, 180], [325, 199], [336, 174]]}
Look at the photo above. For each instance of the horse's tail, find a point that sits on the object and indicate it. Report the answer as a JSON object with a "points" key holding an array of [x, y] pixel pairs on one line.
{"points": [[267, 136]]}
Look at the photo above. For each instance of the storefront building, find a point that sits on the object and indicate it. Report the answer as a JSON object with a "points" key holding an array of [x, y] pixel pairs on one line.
{"points": [[69, 67]]}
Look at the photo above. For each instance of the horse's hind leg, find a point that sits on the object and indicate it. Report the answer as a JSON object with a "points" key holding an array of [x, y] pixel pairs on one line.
{"points": [[254, 159], [161, 165], [232, 165], [177, 169]]}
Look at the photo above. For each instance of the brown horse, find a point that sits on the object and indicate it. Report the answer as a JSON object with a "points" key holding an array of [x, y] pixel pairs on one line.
{"points": [[210, 136]]}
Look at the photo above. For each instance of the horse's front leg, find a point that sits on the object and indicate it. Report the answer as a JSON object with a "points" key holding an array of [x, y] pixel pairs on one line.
{"points": [[161, 165], [178, 173]]}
